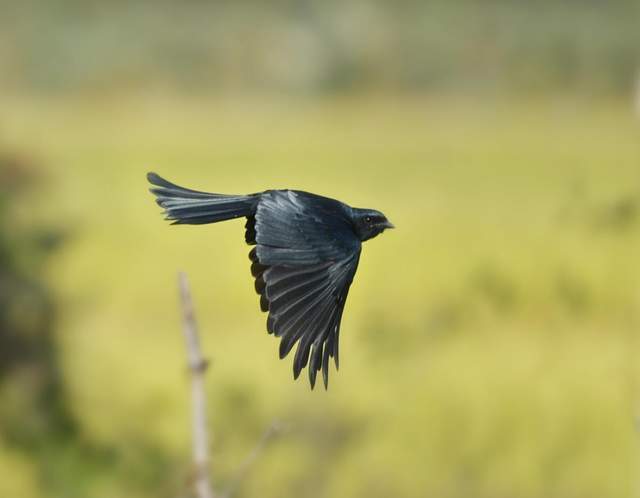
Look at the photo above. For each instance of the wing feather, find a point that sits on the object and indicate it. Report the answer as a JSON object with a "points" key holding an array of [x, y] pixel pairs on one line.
{"points": [[304, 262], [309, 314]]}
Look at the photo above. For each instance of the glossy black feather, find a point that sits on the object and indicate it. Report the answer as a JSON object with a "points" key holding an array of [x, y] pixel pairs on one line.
{"points": [[192, 207], [306, 253]]}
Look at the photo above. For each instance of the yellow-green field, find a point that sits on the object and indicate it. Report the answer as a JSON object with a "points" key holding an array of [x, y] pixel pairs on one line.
{"points": [[489, 346]]}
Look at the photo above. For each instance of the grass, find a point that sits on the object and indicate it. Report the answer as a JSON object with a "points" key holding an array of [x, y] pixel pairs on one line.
{"points": [[489, 344]]}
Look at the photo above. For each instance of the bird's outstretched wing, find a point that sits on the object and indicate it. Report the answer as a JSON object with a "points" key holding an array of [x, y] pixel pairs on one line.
{"points": [[304, 261]]}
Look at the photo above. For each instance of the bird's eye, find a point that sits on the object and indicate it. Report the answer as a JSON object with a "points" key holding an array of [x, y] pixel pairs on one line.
{"points": [[367, 219]]}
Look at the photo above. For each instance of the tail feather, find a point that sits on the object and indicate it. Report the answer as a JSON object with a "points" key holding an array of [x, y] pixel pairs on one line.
{"points": [[185, 206]]}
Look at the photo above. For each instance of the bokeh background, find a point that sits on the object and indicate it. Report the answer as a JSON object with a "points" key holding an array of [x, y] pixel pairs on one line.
{"points": [[490, 343]]}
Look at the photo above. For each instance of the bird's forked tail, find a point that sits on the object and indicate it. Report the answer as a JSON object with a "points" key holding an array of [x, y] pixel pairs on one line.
{"points": [[191, 207]]}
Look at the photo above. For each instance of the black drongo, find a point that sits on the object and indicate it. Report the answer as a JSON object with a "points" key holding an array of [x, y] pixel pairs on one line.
{"points": [[306, 253]]}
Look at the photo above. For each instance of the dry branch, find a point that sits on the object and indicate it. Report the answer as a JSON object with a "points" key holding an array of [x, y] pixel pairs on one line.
{"points": [[272, 431], [198, 367]]}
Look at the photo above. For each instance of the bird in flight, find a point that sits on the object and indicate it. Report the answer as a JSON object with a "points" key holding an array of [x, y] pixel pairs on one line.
{"points": [[306, 253]]}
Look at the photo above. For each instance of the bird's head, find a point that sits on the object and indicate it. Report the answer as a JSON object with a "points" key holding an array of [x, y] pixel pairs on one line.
{"points": [[369, 223]]}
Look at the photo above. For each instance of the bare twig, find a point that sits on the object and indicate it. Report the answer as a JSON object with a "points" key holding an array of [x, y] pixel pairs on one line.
{"points": [[272, 431], [197, 366]]}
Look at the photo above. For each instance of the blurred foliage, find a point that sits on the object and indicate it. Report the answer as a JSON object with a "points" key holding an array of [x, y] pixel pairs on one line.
{"points": [[300, 46], [490, 342], [42, 449], [27, 347], [32, 411]]}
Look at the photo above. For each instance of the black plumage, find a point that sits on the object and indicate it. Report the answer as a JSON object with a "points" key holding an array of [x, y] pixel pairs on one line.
{"points": [[306, 253]]}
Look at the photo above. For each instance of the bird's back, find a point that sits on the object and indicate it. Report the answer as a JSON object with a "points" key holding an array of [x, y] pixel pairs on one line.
{"points": [[297, 227]]}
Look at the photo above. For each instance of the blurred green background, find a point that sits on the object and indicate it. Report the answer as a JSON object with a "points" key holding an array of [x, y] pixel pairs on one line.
{"points": [[490, 343]]}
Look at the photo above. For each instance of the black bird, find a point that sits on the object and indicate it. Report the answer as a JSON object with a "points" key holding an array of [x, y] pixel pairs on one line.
{"points": [[306, 253]]}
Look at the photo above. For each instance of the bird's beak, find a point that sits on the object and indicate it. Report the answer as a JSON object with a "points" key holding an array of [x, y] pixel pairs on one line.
{"points": [[388, 224]]}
